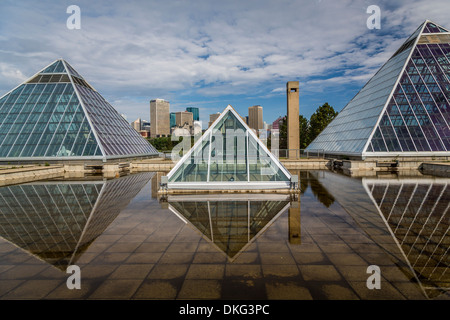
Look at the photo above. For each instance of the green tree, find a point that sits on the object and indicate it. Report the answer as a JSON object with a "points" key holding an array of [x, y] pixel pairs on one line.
{"points": [[304, 132], [320, 119]]}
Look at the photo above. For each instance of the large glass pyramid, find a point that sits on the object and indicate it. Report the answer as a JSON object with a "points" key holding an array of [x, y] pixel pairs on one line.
{"points": [[56, 114], [229, 155], [404, 109]]}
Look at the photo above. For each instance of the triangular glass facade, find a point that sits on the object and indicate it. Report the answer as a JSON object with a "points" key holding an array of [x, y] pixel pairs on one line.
{"points": [[404, 109], [56, 114], [430, 27], [228, 156]]}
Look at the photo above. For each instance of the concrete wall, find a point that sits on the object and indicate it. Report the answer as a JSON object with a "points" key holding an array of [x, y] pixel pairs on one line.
{"points": [[23, 175]]}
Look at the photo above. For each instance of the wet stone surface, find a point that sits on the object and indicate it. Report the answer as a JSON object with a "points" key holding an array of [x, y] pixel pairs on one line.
{"points": [[130, 246]]}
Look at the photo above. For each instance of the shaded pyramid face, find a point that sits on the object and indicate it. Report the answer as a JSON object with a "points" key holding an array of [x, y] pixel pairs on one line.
{"points": [[57, 114], [405, 106], [229, 156]]}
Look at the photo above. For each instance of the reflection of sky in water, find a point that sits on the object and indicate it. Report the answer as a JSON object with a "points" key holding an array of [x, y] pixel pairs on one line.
{"points": [[242, 246]]}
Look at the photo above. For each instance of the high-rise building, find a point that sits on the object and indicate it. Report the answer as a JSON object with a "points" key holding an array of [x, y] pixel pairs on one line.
{"points": [[159, 118], [173, 121], [57, 115], [145, 125], [404, 109], [293, 122], [255, 117], [137, 124], [213, 117], [183, 118], [195, 113]]}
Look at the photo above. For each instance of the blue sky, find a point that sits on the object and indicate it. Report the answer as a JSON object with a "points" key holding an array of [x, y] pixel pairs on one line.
{"points": [[210, 53]]}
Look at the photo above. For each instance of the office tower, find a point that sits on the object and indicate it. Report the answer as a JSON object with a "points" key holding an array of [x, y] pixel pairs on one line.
{"points": [[137, 124], [195, 113], [184, 118], [159, 118], [173, 121], [212, 118], [255, 117]]}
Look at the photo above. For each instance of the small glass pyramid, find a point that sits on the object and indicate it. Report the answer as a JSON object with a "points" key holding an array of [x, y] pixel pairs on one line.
{"points": [[56, 114], [229, 155]]}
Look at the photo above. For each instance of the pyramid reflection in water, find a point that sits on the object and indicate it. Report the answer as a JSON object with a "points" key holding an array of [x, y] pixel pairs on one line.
{"points": [[232, 223], [56, 221], [409, 217]]}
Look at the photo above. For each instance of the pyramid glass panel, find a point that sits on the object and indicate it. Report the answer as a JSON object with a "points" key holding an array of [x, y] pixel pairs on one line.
{"points": [[56, 114], [228, 156], [430, 27], [404, 109]]}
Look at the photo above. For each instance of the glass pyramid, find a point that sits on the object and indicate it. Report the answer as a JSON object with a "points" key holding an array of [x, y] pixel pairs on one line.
{"points": [[56, 114], [404, 109], [229, 155]]}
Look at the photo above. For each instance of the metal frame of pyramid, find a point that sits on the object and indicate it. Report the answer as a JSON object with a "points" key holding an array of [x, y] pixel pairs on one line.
{"points": [[269, 175], [57, 115], [404, 109]]}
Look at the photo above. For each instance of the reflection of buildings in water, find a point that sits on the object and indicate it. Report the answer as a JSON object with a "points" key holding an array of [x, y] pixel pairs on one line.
{"points": [[408, 217], [231, 223], [56, 221], [321, 193], [156, 180]]}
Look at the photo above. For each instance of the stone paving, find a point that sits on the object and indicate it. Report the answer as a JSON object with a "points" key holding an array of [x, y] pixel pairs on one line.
{"points": [[147, 252]]}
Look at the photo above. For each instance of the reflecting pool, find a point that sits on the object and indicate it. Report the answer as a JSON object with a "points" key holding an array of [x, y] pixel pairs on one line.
{"points": [[132, 244]]}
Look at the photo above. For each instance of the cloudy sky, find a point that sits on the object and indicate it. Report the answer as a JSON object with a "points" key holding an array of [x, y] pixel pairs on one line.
{"points": [[211, 53]]}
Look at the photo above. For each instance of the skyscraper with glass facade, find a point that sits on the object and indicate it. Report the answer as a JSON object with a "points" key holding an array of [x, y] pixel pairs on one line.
{"points": [[57, 115], [404, 109], [195, 112]]}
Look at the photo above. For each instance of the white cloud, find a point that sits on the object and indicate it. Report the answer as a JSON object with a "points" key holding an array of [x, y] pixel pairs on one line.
{"points": [[149, 49]]}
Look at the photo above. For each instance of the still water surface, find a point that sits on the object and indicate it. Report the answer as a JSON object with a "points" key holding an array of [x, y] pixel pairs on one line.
{"points": [[131, 245]]}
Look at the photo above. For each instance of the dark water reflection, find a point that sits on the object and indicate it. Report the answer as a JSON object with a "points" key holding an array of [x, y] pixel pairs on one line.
{"points": [[318, 245], [230, 223]]}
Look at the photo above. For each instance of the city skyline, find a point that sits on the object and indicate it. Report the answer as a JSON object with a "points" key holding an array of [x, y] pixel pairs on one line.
{"points": [[211, 54]]}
